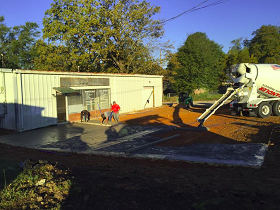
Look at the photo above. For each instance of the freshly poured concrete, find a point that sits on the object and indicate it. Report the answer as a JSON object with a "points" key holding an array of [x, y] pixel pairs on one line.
{"points": [[119, 138], [251, 155]]}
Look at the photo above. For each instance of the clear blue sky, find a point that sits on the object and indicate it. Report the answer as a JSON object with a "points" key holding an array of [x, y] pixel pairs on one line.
{"points": [[222, 23]]}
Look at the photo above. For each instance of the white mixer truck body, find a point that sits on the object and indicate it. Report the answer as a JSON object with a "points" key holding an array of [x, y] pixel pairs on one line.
{"points": [[258, 88]]}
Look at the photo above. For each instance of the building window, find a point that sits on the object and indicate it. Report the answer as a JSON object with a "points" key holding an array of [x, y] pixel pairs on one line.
{"points": [[96, 99], [89, 100], [75, 104], [75, 100]]}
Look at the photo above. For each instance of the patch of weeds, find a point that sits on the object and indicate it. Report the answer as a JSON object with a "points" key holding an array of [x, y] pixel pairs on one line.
{"points": [[9, 170], [41, 185]]}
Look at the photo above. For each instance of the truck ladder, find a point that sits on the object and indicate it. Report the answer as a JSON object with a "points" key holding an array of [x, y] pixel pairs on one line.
{"points": [[210, 111]]}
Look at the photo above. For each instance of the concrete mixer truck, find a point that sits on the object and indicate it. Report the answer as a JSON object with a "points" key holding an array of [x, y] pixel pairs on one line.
{"points": [[255, 89]]}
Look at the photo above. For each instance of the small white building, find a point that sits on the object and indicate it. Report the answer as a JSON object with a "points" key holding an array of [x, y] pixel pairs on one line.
{"points": [[32, 99]]}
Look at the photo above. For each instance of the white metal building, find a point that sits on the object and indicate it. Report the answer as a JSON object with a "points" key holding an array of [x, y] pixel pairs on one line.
{"points": [[32, 99]]}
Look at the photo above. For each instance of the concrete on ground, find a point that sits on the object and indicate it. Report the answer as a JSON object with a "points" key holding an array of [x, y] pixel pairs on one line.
{"points": [[117, 139]]}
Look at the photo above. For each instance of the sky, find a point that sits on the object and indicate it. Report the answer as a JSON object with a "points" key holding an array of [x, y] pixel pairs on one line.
{"points": [[222, 23]]}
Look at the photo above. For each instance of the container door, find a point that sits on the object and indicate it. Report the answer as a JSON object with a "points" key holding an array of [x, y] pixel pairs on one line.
{"points": [[148, 97], [61, 108]]}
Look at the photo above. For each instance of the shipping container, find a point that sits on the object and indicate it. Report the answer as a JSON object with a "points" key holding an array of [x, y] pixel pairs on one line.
{"points": [[32, 99]]}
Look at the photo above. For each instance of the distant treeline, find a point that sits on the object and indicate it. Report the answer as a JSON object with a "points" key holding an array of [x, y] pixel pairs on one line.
{"points": [[201, 63]]}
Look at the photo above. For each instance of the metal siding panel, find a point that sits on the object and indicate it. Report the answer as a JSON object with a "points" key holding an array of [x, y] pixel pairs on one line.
{"points": [[44, 98], [35, 111], [158, 92], [38, 101], [39, 85], [50, 119], [26, 102], [55, 83], [28, 116], [9, 121], [31, 106], [18, 100], [46, 94], [50, 105], [128, 93]]}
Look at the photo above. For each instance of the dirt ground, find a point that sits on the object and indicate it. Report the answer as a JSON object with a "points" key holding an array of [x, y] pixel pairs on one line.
{"points": [[120, 183], [223, 127]]}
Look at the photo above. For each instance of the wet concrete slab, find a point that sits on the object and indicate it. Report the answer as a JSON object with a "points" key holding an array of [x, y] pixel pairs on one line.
{"points": [[118, 139], [248, 154], [41, 136], [115, 139], [78, 137]]}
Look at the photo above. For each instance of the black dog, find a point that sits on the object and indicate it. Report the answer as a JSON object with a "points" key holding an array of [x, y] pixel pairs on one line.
{"points": [[85, 115], [106, 116]]}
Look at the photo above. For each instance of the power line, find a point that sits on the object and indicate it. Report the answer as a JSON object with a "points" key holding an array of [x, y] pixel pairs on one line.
{"points": [[195, 8]]}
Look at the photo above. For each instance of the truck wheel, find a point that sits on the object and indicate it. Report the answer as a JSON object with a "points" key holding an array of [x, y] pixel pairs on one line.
{"points": [[264, 110], [276, 108]]}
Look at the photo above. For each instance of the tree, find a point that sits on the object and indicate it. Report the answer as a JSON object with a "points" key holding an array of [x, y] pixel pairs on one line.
{"points": [[172, 65], [238, 53], [51, 57], [201, 63], [102, 34], [170, 72], [265, 45], [16, 45], [4, 33]]}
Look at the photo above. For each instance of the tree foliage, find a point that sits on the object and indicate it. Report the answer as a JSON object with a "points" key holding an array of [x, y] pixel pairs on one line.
{"points": [[265, 45], [16, 45], [100, 35], [173, 64], [52, 57], [238, 53], [201, 63]]}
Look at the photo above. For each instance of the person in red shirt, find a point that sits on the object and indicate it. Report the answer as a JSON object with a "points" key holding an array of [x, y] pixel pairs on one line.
{"points": [[115, 111]]}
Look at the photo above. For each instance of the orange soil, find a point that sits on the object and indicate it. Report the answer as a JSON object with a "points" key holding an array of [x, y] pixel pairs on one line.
{"points": [[224, 128]]}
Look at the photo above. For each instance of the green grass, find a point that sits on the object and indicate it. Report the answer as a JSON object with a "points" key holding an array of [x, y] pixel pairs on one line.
{"points": [[173, 99], [207, 96]]}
